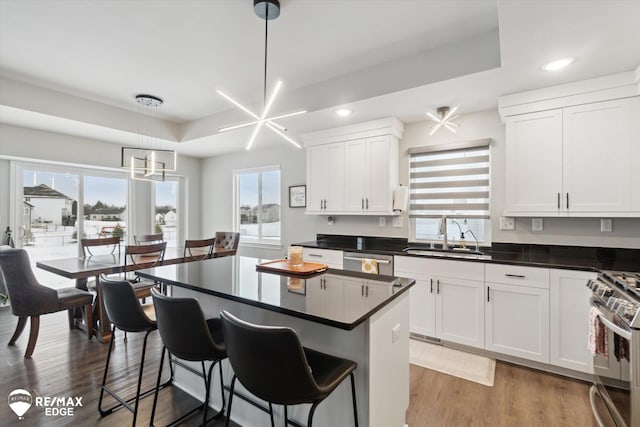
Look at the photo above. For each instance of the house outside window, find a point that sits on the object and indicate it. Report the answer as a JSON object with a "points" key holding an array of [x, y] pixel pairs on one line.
{"points": [[451, 180], [257, 205]]}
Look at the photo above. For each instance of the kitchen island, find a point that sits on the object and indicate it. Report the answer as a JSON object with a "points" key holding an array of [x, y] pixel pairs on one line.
{"points": [[358, 316]]}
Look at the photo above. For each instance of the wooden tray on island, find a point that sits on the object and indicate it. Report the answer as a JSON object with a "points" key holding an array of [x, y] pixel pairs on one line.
{"points": [[281, 266]]}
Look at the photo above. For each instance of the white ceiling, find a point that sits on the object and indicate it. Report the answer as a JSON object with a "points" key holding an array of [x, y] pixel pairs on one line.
{"points": [[74, 67]]}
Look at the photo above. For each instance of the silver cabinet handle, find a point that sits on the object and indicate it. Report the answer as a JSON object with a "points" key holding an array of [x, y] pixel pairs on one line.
{"points": [[366, 294], [488, 295], [315, 255], [517, 276], [438, 286], [363, 203], [558, 200], [361, 290], [379, 261], [320, 204], [431, 291], [567, 200], [325, 203], [367, 203]]}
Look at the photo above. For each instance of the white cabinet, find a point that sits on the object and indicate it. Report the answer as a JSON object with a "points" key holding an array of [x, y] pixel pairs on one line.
{"points": [[534, 162], [362, 295], [569, 305], [325, 256], [635, 153], [573, 161], [517, 313], [447, 301], [325, 178], [597, 165], [353, 170]]}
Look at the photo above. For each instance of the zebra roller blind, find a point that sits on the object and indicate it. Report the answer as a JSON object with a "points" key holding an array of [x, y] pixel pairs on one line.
{"points": [[451, 180]]}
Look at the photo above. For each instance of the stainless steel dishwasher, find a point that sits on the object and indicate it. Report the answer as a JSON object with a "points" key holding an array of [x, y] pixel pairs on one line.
{"points": [[353, 261]]}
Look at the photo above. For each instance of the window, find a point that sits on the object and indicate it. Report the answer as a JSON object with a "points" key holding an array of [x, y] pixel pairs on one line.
{"points": [[166, 210], [451, 180], [257, 204]]}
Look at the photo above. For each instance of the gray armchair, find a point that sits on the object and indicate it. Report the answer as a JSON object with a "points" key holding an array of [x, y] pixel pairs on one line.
{"points": [[30, 299]]}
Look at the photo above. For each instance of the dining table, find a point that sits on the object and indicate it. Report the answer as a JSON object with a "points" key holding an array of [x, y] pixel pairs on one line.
{"points": [[81, 269]]}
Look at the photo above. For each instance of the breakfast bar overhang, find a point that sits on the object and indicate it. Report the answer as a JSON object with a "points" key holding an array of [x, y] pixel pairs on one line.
{"points": [[353, 315]]}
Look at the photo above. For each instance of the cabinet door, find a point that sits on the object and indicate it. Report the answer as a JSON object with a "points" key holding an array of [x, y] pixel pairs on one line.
{"points": [[355, 174], [517, 321], [379, 195], [597, 157], [317, 163], [422, 318], [333, 288], [334, 194], [375, 293], [569, 305], [355, 302], [635, 153], [460, 311], [534, 162]]}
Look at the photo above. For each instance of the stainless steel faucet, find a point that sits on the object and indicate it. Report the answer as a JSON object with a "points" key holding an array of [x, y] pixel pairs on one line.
{"points": [[443, 231]]}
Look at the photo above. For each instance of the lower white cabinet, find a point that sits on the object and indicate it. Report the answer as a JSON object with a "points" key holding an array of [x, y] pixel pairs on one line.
{"points": [[361, 295], [447, 301], [325, 296], [517, 321], [325, 256], [569, 299], [517, 313]]}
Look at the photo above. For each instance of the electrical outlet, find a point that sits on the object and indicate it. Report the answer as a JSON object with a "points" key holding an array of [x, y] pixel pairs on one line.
{"points": [[536, 224], [507, 223], [382, 221], [606, 225], [396, 221]]}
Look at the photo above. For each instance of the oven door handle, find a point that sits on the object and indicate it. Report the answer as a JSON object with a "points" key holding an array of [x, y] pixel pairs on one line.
{"points": [[379, 261], [615, 328]]}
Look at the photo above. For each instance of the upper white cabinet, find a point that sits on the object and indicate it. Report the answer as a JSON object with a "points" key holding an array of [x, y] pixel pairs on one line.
{"points": [[353, 170], [570, 150], [574, 161], [325, 178]]}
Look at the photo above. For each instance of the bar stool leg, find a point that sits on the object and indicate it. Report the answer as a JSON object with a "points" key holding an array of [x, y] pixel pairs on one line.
{"points": [[104, 377], [353, 397], [233, 384], [144, 350], [155, 397], [271, 414], [286, 417]]}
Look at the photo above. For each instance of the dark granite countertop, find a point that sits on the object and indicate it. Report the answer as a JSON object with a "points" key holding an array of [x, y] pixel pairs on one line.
{"points": [[550, 256], [237, 279]]}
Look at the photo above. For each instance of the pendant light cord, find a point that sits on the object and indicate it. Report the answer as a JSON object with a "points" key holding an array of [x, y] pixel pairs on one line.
{"points": [[266, 35]]}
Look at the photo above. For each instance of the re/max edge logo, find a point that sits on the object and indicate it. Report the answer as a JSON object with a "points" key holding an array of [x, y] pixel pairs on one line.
{"points": [[20, 401]]}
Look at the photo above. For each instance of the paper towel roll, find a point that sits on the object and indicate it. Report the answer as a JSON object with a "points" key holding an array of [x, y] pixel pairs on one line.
{"points": [[400, 198]]}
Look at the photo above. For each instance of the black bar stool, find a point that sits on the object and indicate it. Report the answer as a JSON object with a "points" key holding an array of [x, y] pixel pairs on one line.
{"points": [[271, 363], [126, 314], [187, 335]]}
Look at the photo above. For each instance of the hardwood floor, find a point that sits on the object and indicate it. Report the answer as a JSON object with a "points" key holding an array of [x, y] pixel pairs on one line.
{"points": [[65, 363]]}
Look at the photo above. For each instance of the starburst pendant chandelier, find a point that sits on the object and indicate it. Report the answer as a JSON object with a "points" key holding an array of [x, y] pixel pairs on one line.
{"points": [[267, 10], [446, 115]]}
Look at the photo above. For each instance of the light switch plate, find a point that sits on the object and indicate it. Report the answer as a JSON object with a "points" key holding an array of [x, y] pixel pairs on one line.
{"points": [[396, 221], [507, 223], [382, 221], [606, 225], [536, 224]]}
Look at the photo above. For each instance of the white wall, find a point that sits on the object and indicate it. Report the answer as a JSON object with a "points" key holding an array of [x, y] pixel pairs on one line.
{"points": [[40, 145], [298, 227]]}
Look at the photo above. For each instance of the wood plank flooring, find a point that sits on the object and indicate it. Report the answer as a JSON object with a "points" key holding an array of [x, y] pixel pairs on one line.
{"points": [[65, 363]]}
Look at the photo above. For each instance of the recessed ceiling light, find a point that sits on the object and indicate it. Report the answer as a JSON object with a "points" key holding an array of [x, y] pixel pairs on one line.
{"points": [[344, 112], [558, 64]]}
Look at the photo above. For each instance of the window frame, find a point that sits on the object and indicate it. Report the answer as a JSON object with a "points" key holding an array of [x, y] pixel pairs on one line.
{"points": [[245, 240]]}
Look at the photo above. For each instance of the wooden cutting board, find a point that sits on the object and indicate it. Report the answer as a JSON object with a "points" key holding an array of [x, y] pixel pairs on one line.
{"points": [[281, 266]]}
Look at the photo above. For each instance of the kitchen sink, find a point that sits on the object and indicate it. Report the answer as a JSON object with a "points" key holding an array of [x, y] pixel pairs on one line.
{"points": [[449, 253]]}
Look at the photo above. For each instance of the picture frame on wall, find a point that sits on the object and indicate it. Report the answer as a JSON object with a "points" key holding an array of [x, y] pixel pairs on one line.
{"points": [[298, 196]]}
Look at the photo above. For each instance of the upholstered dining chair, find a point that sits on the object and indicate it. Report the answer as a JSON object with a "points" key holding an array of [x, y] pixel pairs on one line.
{"points": [[30, 299], [203, 248], [270, 362], [227, 240], [143, 239]]}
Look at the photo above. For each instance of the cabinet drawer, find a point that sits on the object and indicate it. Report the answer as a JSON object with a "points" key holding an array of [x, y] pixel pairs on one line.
{"points": [[517, 275], [326, 256]]}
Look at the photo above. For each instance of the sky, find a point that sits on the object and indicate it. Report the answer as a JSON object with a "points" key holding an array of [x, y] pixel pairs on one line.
{"points": [[270, 188], [111, 191]]}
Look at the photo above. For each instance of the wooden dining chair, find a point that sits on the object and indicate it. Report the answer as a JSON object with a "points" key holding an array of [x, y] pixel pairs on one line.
{"points": [[205, 246], [101, 246], [143, 256], [145, 239]]}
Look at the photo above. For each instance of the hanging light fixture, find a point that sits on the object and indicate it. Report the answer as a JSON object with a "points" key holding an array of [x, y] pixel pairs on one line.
{"points": [[267, 10], [148, 162], [446, 115]]}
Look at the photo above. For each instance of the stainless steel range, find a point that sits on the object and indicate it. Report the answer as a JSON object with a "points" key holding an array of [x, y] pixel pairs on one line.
{"points": [[617, 377]]}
